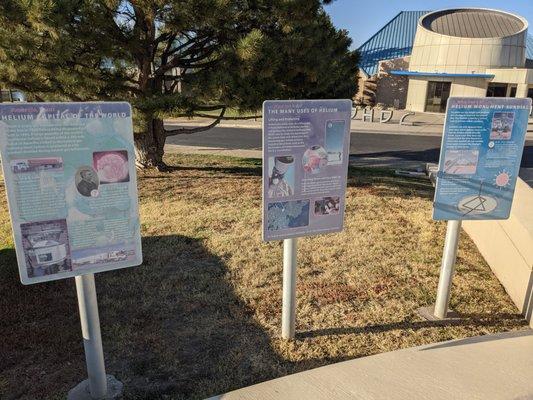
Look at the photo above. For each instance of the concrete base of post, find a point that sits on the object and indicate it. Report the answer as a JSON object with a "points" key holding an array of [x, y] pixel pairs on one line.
{"points": [[428, 313], [115, 389]]}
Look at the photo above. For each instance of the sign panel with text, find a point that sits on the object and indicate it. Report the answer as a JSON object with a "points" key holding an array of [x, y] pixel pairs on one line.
{"points": [[305, 163], [480, 158], [71, 183]]}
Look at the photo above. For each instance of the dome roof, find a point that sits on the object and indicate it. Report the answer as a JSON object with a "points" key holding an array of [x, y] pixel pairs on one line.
{"points": [[474, 23]]}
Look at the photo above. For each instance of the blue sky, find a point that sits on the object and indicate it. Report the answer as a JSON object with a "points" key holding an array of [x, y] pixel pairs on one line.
{"points": [[363, 19]]}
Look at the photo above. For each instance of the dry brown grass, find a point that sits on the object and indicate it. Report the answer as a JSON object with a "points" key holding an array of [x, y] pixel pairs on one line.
{"points": [[202, 314]]}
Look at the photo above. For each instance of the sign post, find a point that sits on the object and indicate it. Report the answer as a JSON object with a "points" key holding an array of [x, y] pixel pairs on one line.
{"points": [[449, 255], [305, 164], [479, 163], [69, 170], [98, 385], [288, 312]]}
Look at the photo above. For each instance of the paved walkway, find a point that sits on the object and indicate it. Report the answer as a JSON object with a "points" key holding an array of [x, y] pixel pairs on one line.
{"points": [[419, 124], [493, 367]]}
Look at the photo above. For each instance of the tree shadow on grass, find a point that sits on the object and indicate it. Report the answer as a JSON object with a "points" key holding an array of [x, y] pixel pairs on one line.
{"points": [[385, 183], [425, 155], [237, 171], [175, 327], [172, 328], [467, 320], [41, 347]]}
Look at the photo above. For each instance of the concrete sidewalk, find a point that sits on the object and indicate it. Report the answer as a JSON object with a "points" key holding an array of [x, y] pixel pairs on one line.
{"points": [[492, 367], [419, 124]]}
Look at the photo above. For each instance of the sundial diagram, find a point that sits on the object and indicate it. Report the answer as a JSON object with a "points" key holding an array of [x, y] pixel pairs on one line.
{"points": [[477, 204]]}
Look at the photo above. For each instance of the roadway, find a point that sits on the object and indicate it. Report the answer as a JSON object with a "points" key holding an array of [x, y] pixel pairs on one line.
{"points": [[408, 148]]}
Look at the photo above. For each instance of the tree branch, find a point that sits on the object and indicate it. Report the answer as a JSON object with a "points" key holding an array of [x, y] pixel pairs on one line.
{"points": [[188, 131], [229, 118]]}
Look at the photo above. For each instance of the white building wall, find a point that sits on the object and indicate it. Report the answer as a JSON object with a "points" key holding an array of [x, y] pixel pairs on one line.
{"points": [[468, 87], [416, 94], [433, 52], [460, 87]]}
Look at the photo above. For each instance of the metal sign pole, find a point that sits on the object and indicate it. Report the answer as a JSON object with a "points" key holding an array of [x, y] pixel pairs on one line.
{"points": [[92, 339], [288, 313], [447, 268], [98, 385]]}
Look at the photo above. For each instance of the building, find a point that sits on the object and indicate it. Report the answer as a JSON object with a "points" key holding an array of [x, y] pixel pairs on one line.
{"points": [[421, 58]]}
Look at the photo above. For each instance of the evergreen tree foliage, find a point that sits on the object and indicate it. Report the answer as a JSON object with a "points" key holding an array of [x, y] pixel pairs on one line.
{"points": [[174, 57]]}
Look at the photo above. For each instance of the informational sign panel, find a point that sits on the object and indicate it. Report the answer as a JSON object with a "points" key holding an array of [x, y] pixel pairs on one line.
{"points": [[305, 163], [480, 158], [69, 170]]}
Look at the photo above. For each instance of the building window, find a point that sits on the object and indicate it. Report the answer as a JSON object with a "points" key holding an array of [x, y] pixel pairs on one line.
{"points": [[437, 96], [497, 90], [5, 96], [530, 93], [513, 92]]}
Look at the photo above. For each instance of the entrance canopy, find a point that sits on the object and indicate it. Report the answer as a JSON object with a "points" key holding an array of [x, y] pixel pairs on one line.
{"points": [[441, 74]]}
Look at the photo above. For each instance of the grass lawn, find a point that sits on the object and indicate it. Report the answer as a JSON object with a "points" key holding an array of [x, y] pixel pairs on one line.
{"points": [[230, 113], [201, 316]]}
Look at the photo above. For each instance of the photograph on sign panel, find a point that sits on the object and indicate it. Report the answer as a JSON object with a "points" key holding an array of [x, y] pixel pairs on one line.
{"points": [[461, 162], [315, 159], [280, 176], [287, 214], [334, 141], [111, 166], [327, 206], [87, 181], [502, 125], [52, 164], [46, 247], [104, 255]]}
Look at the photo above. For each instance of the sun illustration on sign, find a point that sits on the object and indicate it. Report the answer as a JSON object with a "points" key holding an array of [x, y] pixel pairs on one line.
{"points": [[502, 179]]}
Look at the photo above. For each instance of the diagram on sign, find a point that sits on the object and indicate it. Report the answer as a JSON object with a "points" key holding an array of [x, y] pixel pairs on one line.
{"points": [[281, 176], [503, 179], [479, 204], [111, 166], [327, 206], [288, 214], [334, 141], [315, 159], [461, 162], [502, 126], [46, 247]]}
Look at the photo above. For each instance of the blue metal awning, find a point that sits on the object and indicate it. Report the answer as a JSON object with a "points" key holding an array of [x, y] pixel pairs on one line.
{"points": [[441, 74]]}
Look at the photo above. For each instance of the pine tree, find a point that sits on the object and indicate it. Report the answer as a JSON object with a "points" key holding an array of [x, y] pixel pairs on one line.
{"points": [[173, 57]]}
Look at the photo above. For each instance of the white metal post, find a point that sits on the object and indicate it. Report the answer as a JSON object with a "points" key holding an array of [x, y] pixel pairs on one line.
{"points": [[288, 313], [447, 268], [92, 339]]}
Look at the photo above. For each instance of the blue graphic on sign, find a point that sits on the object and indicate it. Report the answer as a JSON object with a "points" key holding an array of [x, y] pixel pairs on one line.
{"points": [[480, 158]]}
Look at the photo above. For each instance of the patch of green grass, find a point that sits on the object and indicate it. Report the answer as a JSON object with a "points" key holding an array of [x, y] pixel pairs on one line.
{"points": [[201, 316], [230, 112]]}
